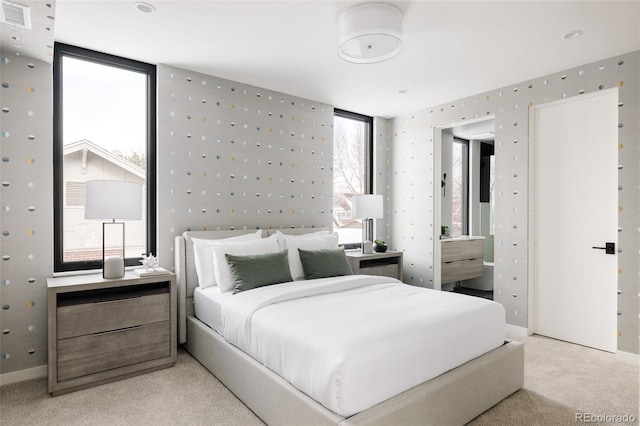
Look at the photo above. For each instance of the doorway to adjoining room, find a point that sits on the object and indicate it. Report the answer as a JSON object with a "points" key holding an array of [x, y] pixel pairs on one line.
{"points": [[466, 206]]}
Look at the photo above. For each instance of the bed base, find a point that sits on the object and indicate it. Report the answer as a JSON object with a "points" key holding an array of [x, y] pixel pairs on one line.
{"points": [[453, 398]]}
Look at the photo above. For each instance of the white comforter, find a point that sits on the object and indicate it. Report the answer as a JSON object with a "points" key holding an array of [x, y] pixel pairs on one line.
{"points": [[352, 342]]}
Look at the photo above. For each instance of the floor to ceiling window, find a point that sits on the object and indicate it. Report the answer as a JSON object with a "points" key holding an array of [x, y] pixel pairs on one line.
{"points": [[352, 168], [460, 188], [104, 129]]}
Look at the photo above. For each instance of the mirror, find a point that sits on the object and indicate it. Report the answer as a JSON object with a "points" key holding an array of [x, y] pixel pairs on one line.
{"points": [[467, 204]]}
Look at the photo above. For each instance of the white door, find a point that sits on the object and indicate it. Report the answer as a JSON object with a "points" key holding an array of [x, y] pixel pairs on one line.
{"points": [[574, 209]]}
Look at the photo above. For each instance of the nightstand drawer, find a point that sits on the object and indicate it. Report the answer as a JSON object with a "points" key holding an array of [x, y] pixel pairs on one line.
{"points": [[93, 353], [109, 313], [382, 270], [461, 270], [388, 264]]}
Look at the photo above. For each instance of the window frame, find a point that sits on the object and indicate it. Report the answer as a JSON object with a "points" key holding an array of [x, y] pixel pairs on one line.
{"points": [[61, 50], [368, 160], [465, 183]]}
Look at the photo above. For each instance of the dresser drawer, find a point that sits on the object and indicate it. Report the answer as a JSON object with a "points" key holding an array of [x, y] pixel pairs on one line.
{"points": [[93, 353], [461, 249], [108, 314], [461, 270]]}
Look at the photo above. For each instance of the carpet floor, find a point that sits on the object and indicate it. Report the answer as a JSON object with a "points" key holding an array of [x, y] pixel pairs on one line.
{"points": [[562, 381]]}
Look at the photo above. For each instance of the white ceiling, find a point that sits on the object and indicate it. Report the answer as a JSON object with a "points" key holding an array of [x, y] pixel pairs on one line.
{"points": [[482, 129], [452, 49]]}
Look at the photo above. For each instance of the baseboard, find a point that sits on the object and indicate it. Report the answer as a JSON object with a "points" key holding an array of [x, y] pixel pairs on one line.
{"points": [[628, 357], [23, 375], [516, 331]]}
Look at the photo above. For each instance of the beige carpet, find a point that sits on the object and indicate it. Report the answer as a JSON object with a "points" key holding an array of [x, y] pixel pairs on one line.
{"points": [[186, 394], [560, 380]]}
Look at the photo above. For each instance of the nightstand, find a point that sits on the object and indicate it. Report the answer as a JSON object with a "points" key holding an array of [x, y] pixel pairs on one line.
{"points": [[388, 264], [101, 330]]}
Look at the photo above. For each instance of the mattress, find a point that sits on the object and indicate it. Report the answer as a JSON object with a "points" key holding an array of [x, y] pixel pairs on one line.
{"points": [[207, 305], [352, 342]]}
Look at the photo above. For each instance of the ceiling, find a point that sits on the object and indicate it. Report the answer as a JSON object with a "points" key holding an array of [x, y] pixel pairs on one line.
{"points": [[453, 49], [482, 130]]}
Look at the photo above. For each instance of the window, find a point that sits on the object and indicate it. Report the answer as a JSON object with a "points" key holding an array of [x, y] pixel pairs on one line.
{"points": [[487, 185], [75, 194], [104, 128], [352, 171], [460, 188]]}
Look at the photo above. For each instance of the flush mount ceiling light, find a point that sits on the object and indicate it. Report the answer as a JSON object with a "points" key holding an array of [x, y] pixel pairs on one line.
{"points": [[370, 33]]}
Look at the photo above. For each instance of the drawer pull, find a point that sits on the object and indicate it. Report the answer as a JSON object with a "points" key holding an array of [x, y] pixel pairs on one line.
{"points": [[117, 331], [100, 302]]}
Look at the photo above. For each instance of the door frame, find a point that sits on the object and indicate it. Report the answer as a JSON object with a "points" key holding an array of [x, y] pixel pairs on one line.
{"points": [[531, 276], [437, 202]]}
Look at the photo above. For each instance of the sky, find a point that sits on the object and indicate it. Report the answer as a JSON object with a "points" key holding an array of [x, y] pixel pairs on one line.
{"points": [[104, 105]]}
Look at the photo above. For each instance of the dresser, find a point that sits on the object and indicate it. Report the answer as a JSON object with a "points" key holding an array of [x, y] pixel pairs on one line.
{"points": [[461, 258], [101, 330]]}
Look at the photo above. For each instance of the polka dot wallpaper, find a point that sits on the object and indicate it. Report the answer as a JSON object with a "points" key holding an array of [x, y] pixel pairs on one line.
{"points": [[26, 217], [232, 155], [410, 183], [381, 160], [37, 41], [236, 156]]}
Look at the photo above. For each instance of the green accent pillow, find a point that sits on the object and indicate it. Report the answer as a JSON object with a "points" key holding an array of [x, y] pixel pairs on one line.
{"points": [[324, 263], [253, 271]]}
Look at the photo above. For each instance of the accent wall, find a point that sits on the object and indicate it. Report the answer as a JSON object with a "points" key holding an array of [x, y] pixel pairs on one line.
{"points": [[26, 215], [234, 156]]}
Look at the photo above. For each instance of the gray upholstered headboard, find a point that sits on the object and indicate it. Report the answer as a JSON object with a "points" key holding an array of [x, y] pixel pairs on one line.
{"points": [[186, 276]]}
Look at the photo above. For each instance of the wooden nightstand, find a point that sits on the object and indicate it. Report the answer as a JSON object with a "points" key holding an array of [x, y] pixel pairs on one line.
{"points": [[101, 330], [388, 264]]}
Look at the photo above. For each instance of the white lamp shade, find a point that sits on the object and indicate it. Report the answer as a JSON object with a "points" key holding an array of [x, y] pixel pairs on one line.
{"points": [[111, 199], [367, 206], [370, 33]]}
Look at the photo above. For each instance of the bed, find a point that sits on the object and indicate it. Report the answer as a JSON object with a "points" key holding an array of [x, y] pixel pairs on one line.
{"points": [[454, 396]]}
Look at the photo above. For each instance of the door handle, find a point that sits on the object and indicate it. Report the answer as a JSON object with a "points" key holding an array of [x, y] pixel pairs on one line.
{"points": [[609, 248]]}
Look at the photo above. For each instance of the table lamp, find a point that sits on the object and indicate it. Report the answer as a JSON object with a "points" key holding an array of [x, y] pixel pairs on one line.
{"points": [[367, 207], [111, 200]]}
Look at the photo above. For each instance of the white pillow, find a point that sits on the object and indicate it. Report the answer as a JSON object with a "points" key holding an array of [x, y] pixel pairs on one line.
{"points": [[311, 243], [203, 255], [282, 237], [240, 248]]}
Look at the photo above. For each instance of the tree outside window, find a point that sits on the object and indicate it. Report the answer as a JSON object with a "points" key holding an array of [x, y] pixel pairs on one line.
{"points": [[351, 173]]}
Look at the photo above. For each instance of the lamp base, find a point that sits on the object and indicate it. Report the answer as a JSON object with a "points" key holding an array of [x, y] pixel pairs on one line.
{"points": [[367, 247], [113, 267]]}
